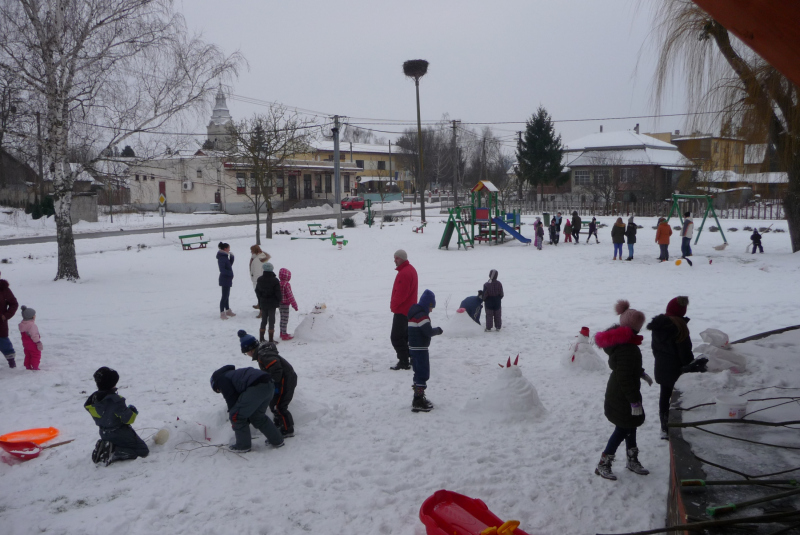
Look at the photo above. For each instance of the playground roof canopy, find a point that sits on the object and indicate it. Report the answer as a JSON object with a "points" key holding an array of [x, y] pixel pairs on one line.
{"points": [[485, 185]]}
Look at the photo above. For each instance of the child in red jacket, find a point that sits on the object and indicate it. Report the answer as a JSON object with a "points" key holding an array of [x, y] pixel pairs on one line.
{"points": [[31, 340], [288, 299]]}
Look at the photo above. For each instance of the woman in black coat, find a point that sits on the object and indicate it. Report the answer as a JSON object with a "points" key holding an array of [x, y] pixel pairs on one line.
{"points": [[225, 263], [623, 400], [672, 349], [630, 234]]}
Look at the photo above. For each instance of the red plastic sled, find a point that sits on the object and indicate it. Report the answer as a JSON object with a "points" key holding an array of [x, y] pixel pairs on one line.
{"points": [[450, 513]]}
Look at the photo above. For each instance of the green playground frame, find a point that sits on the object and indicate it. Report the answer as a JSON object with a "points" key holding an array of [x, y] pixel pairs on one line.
{"points": [[709, 208]]}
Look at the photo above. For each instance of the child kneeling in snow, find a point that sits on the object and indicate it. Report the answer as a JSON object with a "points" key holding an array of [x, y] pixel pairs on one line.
{"points": [[118, 441], [420, 333], [247, 393], [283, 377], [31, 341], [623, 400]]}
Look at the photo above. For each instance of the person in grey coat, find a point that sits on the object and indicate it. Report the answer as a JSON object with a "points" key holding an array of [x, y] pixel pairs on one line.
{"points": [[630, 234], [247, 392], [118, 441]]}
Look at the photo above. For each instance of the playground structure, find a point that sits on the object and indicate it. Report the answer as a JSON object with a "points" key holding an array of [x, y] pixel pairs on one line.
{"points": [[709, 208], [483, 212]]}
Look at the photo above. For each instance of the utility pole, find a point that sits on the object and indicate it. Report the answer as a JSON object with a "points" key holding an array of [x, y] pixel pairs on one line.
{"points": [[519, 179], [455, 164], [483, 159], [336, 178]]}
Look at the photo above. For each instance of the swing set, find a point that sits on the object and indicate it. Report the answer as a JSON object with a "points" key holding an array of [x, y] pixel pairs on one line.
{"points": [[676, 198]]}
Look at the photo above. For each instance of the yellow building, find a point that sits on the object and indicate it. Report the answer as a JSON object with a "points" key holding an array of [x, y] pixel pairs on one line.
{"points": [[708, 152]]}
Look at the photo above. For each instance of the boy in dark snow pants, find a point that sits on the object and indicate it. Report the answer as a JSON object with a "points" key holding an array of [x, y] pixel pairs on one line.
{"points": [[420, 333], [247, 393], [118, 441], [593, 231], [283, 377]]}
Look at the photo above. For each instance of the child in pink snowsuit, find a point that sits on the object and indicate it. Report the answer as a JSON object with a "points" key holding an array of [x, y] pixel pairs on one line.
{"points": [[31, 341], [287, 299]]}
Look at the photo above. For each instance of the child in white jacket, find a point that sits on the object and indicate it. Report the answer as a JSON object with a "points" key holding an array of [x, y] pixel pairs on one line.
{"points": [[31, 340]]}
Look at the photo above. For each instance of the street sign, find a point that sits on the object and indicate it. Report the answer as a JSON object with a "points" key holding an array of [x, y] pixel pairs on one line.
{"points": [[162, 199], [162, 211]]}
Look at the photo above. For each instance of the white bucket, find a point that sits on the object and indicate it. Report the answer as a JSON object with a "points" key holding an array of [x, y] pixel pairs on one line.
{"points": [[731, 407]]}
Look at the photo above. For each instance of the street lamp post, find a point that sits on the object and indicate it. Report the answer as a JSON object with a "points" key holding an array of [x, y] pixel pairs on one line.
{"points": [[416, 69]]}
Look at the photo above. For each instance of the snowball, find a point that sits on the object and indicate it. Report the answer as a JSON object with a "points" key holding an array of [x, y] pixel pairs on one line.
{"points": [[162, 436], [510, 397], [715, 337]]}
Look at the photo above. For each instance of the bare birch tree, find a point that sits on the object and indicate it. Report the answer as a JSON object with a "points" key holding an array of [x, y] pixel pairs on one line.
{"points": [[116, 68]]}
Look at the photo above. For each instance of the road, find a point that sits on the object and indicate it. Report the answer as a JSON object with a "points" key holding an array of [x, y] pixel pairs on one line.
{"points": [[182, 228]]}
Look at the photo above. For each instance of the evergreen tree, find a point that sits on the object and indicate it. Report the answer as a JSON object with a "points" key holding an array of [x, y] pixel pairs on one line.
{"points": [[539, 151]]}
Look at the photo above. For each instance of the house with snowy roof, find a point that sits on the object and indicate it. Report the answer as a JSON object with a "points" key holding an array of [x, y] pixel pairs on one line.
{"points": [[624, 166]]}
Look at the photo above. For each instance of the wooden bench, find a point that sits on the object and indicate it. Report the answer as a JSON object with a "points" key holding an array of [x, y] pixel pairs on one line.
{"points": [[316, 229], [421, 228], [189, 241]]}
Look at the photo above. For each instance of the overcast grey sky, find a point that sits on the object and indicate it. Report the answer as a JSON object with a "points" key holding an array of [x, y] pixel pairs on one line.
{"points": [[490, 61]]}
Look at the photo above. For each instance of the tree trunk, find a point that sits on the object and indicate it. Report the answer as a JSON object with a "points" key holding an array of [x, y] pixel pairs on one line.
{"points": [[67, 262], [269, 219], [258, 227], [791, 205]]}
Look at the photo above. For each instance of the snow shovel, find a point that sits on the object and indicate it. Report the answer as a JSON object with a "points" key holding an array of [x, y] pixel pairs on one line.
{"points": [[28, 450]]}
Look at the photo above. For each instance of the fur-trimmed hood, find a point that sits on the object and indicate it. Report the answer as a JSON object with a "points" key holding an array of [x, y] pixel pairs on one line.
{"points": [[616, 336], [3, 285]]}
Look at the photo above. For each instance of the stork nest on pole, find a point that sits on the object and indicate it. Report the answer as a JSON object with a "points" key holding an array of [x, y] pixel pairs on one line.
{"points": [[415, 68]]}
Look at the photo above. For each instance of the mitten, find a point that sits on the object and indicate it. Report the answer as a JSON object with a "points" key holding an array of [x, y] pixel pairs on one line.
{"points": [[636, 409], [295, 308], [697, 365], [439, 330], [39, 346], [647, 378], [134, 409]]}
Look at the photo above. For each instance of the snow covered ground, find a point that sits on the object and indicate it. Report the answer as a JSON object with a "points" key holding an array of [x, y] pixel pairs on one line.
{"points": [[361, 461]]}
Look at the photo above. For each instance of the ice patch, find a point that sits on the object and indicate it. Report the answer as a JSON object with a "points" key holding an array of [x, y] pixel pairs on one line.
{"points": [[509, 398]]}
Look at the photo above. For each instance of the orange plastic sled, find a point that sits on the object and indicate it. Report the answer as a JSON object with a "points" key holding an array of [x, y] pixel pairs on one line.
{"points": [[37, 436]]}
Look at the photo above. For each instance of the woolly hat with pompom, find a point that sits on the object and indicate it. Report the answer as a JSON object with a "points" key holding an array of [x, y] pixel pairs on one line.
{"points": [[629, 317], [247, 342], [677, 306]]}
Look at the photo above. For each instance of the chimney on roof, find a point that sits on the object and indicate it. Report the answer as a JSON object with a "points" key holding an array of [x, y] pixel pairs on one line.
{"points": [[677, 132], [601, 129], [636, 128]]}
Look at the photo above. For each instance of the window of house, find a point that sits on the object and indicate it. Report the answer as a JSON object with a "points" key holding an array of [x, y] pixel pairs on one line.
{"points": [[381, 165], [137, 178], [328, 188], [602, 176], [253, 184], [716, 147], [317, 184], [199, 174], [152, 177], [279, 182], [241, 184], [347, 183], [360, 164], [342, 156], [626, 176], [582, 178]]}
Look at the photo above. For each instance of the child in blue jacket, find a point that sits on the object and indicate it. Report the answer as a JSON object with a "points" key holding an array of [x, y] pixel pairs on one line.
{"points": [[118, 441], [420, 333]]}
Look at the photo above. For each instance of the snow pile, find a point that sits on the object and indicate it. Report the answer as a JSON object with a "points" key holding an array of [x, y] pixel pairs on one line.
{"points": [[460, 325], [719, 354], [510, 397], [322, 325], [582, 356]]}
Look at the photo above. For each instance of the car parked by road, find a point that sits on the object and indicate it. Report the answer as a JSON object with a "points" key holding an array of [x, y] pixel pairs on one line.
{"points": [[353, 203]]}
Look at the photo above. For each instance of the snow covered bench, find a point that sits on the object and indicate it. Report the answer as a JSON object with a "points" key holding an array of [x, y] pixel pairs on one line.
{"points": [[316, 228], [189, 242]]}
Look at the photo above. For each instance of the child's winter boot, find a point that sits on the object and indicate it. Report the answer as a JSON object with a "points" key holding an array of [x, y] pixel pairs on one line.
{"points": [[633, 463], [223, 316], [604, 467], [12, 363], [230, 313], [664, 416], [286, 336], [420, 402], [261, 334]]}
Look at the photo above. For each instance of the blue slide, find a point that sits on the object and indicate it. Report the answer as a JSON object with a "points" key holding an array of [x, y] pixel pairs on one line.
{"points": [[502, 224]]}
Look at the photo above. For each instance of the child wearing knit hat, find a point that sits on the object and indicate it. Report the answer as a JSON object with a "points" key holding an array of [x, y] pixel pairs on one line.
{"points": [[31, 340], [623, 399]]}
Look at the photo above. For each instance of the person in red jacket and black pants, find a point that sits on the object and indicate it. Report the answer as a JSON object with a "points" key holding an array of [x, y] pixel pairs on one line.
{"points": [[404, 295]]}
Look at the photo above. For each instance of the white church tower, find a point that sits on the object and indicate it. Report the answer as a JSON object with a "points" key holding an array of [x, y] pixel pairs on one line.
{"points": [[218, 135]]}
